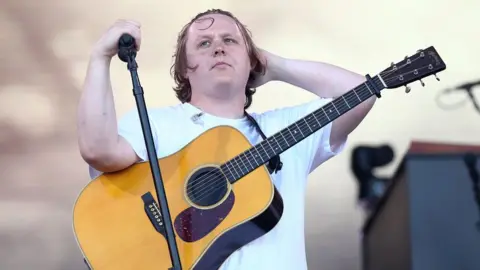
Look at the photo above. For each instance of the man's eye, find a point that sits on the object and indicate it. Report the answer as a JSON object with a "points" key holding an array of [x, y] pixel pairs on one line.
{"points": [[204, 43]]}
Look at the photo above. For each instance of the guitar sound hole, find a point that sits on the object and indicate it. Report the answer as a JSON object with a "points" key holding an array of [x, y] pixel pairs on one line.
{"points": [[207, 186]]}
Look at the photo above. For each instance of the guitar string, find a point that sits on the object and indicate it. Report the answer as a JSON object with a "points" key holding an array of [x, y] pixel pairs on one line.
{"points": [[212, 182], [199, 182], [208, 184], [349, 97]]}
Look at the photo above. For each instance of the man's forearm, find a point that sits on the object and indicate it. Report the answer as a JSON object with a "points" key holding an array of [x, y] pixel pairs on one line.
{"points": [[96, 119], [327, 81], [323, 79]]}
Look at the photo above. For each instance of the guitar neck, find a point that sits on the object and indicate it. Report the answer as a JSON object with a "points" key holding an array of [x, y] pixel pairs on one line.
{"points": [[261, 153]]}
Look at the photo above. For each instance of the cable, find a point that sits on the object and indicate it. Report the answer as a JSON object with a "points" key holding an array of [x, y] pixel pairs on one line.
{"points": [[445, 106], [467, 88]]}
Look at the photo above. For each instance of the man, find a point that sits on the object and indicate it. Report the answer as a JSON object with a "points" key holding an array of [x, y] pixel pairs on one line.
{"points": [[216, 67]]}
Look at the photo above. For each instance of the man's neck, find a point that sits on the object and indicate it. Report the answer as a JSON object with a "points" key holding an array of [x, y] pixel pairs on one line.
{"points": [[227, 108]]}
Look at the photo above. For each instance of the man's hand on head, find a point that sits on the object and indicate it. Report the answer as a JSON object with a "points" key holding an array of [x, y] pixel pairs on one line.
{"points": [[272, 63]]}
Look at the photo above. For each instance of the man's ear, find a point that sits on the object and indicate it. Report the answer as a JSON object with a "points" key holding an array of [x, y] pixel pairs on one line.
{"points": [[257, 63], [188, 70]]}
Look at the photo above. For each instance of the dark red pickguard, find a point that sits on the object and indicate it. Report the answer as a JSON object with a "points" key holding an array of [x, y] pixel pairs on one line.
{"points": [[192, 224]]}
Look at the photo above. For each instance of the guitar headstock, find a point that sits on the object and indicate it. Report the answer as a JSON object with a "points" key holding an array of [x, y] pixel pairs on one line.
{"points": [[424, 63]]}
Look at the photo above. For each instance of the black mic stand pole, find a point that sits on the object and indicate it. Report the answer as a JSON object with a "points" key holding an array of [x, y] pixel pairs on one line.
{"points": [[127, 53]]}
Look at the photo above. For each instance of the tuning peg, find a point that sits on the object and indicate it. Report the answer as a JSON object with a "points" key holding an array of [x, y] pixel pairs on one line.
{"points": [[423, 84], [407, 89], [436, 77], [393, 66]]}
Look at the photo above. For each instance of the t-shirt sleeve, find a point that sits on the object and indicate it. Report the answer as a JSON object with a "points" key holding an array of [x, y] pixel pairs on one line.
{"points": [[130, 128], [315, 149]]}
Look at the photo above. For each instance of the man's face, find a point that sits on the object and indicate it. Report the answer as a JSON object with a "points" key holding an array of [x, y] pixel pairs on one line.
{"points": [[215, 46]]}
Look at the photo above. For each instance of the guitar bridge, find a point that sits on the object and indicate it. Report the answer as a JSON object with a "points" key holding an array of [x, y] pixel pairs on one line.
{"points": [[153, 213]]}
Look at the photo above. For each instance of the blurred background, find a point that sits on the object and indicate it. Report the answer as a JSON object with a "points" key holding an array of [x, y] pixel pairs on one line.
{"points": [[44, 50]]}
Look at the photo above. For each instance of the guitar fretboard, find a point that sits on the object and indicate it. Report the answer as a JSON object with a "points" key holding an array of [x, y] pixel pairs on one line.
{"points": [[261, 153]]}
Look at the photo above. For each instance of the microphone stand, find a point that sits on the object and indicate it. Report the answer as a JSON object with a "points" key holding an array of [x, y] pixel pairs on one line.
{"points": [[127, 54]]}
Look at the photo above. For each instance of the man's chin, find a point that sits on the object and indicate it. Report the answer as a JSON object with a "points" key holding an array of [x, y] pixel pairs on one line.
{"points": [[223, 80]]}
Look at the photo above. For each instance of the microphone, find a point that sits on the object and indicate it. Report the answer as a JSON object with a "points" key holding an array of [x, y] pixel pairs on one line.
{"points": [[126, 47]]}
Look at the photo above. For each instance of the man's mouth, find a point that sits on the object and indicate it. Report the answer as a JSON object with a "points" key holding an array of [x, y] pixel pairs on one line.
{"points": [[220, 64]]}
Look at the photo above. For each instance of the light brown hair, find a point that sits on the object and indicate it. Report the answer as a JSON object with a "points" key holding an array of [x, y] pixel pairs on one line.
{"points": [[179, 68]]}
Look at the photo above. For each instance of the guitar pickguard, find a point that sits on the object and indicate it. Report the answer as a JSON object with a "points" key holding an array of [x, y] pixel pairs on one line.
{"points": [[192, 224]]}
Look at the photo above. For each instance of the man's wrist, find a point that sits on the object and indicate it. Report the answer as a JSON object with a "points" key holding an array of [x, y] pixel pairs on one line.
{"points": [[97, 58], [277, 68]]}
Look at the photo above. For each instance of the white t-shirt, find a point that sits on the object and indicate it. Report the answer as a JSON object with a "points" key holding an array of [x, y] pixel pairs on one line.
{"points": [[284, 246]]}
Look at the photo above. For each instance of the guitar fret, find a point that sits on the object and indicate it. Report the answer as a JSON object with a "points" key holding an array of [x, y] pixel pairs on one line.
{"points": [[281, 133], [248, 160], [316, 119], [229, 171], [299, 130], [268, 142], [240, 165], [276, 142], [241, 160], [234, 168], [343, 97], [296, 124], [304, 120], [325, 113], [365, 94], [260, 156], [368, 87], [291, 134], [333, 104], [356, 95], [261, 144], [330, 111]]}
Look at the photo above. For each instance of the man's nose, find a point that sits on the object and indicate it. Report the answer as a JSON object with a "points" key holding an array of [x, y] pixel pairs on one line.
{"points": [[219, 51]]}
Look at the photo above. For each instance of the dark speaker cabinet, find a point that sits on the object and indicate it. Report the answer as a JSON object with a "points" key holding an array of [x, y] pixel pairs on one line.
{"points": [[427, 218]]}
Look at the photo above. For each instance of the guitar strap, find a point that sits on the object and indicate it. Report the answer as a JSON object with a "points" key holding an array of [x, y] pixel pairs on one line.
{"points": [[274, 164]]}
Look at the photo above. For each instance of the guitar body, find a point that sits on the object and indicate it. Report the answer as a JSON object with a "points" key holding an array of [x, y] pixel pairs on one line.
{"points": [[118, 225]]}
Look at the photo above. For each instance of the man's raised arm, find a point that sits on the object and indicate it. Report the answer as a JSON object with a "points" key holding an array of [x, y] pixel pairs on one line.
{"points": [[99, 143]]}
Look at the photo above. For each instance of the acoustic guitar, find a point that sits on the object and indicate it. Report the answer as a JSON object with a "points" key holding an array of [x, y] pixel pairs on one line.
{"points": [[218, 189]]}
